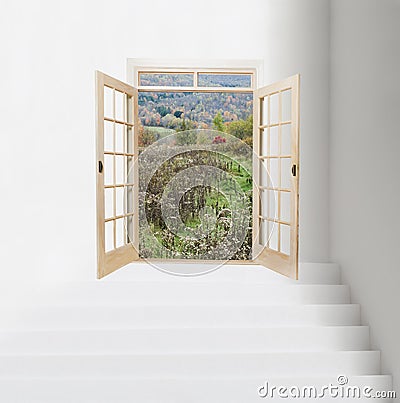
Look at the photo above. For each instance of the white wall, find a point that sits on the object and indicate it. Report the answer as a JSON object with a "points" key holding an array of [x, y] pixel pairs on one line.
{"points": [[365, 142], [297, 41], [49, 53]]}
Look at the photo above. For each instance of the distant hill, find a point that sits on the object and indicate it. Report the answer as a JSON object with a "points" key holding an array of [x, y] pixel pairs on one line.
{"points": [[168, 109]]}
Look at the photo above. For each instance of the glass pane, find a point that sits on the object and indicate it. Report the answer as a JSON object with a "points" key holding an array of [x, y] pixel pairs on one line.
{"points": [[272, 204], [129, 199], [286, 140], [286, 173], [274, 140], [285, 239], [120, 232], [264, 203], [285, 206], [285, 199], [119, 137], [108, 203], [274, 172], [129, 140], [108, 170], [129, 229], [286, 105], [119, 106], [166, 79], [264, 175], [108, 136], [109, 235], [119, 169], [108, 102], [224, 80], [264, 111], [129, 170], [273, 233], [129, 109], [263, 142], [274, 108], [263, 236], [119, 201]]}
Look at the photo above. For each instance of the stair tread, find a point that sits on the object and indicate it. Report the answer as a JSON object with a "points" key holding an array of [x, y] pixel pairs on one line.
{"points": [[194, 354], [308, 272], [200, 328], [215, 379]]}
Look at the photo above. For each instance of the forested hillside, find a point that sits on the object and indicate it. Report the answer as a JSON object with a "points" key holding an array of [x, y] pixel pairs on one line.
{"points": [[169, 109]]}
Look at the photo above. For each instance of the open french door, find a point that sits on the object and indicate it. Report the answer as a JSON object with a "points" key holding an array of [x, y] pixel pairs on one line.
{"points": [[276, 176], [117, 174]]}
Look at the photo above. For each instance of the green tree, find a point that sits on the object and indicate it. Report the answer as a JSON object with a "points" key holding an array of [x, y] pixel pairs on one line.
{"points": [[185, 134], [186, 124], [241, 129], [218, 122]]}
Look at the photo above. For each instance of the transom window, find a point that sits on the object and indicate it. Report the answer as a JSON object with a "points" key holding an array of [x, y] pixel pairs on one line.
{"points": [[212, 80]]}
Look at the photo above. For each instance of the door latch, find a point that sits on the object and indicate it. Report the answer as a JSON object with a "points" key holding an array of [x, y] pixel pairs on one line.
{"points": [[294, 170], [100, 167]]}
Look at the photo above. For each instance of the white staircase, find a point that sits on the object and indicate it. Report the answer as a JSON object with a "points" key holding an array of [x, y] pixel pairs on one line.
{"points": [[141, 335]]}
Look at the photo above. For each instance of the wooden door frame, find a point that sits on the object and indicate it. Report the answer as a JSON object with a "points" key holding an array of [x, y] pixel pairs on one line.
{"points": [[254, 67]]}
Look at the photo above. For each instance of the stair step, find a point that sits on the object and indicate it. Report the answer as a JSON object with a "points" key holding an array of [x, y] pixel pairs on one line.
{"points": [[192, 365], [319, 273], [186, 340], [193, 293], [132, 316], [309, 273], [142, 335], [156, 390]]}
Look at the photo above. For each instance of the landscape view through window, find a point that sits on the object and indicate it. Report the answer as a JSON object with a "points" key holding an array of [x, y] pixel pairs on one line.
{"points": [[183, 116]]}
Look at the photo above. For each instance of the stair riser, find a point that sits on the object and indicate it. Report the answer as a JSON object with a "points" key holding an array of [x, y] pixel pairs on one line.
{"points": [[108, 293], [190, 366], [153, 390], [347, 338], [309, 273], [110, 317]]}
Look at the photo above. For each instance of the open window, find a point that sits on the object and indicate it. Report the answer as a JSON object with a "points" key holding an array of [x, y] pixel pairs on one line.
{"points": [[273, 240]]}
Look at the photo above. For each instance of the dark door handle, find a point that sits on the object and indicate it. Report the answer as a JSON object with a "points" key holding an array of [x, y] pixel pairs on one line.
{"points": [[294, 170], [100, 167]]}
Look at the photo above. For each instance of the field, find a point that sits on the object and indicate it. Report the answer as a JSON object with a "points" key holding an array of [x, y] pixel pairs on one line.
{"points": [[209, 221]]}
